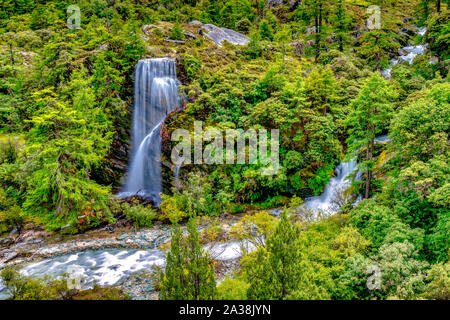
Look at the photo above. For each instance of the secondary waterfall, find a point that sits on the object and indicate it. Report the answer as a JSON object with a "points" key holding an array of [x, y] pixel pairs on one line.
{"points": [[409, 53], [155, 96], [331, 198], [328, 200]]}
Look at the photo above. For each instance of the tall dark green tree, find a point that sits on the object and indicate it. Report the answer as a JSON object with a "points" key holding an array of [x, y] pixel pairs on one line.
{"points": [[317, 10], [372, 110], [281, 270], [341, 21], [189, 272]]}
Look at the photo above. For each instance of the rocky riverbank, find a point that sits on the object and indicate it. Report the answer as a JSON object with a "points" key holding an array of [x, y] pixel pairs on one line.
{"points": [[125, 258]]}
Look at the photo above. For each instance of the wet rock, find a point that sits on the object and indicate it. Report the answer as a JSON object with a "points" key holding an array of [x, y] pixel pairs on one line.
{"points": [[122, 236], [148, 29], [407, 19], [190, 35], [114, 267], [6, 240], [218, 35], [9, 256], [409, 31]]}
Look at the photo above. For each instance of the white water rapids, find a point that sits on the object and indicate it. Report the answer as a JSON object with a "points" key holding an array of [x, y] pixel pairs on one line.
{"points": [[409, 53]]}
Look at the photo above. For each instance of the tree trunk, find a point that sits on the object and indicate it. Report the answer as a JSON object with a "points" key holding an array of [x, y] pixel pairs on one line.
{"points": [[317, 33], [369, 158], [366, 195], [438, 6]]}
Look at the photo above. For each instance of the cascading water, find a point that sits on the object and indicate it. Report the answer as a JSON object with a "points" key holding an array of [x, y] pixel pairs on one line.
{"points": [[177, 172], [409, 53], [332, 197], [155, 95], [328, 202]]}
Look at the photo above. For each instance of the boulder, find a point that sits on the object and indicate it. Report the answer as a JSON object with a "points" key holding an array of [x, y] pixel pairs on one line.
{"points": [[218, 35], [194, 22]]}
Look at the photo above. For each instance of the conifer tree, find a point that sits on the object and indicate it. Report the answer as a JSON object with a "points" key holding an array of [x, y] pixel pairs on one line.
{"points": [[189, 272], [341, 22], [265, 31], [372, 110], [280, 270]]}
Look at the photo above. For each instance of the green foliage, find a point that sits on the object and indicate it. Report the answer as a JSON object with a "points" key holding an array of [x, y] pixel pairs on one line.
{"points": [[61, 151], [177, 32], [234, 11], [255, 229], [27, 288], [371, 111], [265, 31], [232, 289], [381, 226], [192, 65], [280, 271], [438, 278], [375, 45], [305, 71], [400, 275], [189, 272], [437, 35], [140, 215], [243, 25], [420, 129], [11, 215]]}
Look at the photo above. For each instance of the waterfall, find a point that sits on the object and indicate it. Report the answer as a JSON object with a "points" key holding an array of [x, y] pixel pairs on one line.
{"points": [[177, 172], [334, 194], [328, 201], [155, 96], [409, 53]]}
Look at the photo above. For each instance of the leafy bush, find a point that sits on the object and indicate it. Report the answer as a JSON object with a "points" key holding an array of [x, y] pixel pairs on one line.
{"points": [[232, 289], [177, 32], [27, 288], [243, 25], [192, 65], [142, 216], [11, 215], [438, 278]]}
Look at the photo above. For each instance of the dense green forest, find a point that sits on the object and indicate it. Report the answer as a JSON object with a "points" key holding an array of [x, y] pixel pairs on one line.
{"points": [[312, 69]]}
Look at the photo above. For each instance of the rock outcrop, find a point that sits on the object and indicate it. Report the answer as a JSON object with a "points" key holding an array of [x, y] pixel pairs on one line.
{"points": [[218, 35]]}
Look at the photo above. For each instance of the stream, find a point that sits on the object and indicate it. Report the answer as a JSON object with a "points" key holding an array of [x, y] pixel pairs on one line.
{"points": [[409, 53]]}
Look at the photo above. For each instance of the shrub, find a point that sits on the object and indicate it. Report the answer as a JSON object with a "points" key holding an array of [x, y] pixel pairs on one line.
{"points": [[177, 32], [192, 65], [243, 25], [438, 277], [142, 216], [265, 31], [11, 216], [27, 288], [232, 289]]}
